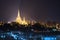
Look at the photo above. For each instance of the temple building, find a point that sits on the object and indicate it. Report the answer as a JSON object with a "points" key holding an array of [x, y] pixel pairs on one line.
{"points": [[20, 20]]}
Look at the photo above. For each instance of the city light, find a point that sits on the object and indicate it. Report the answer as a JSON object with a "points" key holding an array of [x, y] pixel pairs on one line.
{"points": [[49, 38]]}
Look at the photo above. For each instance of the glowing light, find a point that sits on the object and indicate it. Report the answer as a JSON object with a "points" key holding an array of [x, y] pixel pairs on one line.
{"points": [[9, 22], [2, 36], [24, 21], [54, 30], [14, 36], [20, 21], [49, 38]]}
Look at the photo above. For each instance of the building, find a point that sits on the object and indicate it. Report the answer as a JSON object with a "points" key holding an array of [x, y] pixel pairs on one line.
{"points": [[19, 19]]}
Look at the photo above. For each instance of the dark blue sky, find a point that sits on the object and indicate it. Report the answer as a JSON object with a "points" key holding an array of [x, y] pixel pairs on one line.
{"points": [[31, 9]]}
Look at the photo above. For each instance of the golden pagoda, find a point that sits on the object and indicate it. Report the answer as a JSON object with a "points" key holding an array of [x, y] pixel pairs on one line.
{"points": [[19, 20]]}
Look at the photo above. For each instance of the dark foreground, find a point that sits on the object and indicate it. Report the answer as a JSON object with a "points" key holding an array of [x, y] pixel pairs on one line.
{"points": [[15, 31], [19, 35]]}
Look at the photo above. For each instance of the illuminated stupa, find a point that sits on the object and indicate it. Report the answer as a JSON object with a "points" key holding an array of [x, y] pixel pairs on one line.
{"points": [[19, 20]]}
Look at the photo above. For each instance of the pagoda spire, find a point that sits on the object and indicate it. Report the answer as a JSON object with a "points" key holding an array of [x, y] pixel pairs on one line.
{"points": [[18, 18]]}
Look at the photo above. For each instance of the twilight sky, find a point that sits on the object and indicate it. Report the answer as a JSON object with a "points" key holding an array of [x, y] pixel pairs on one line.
{"points": [[39, 10]]}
